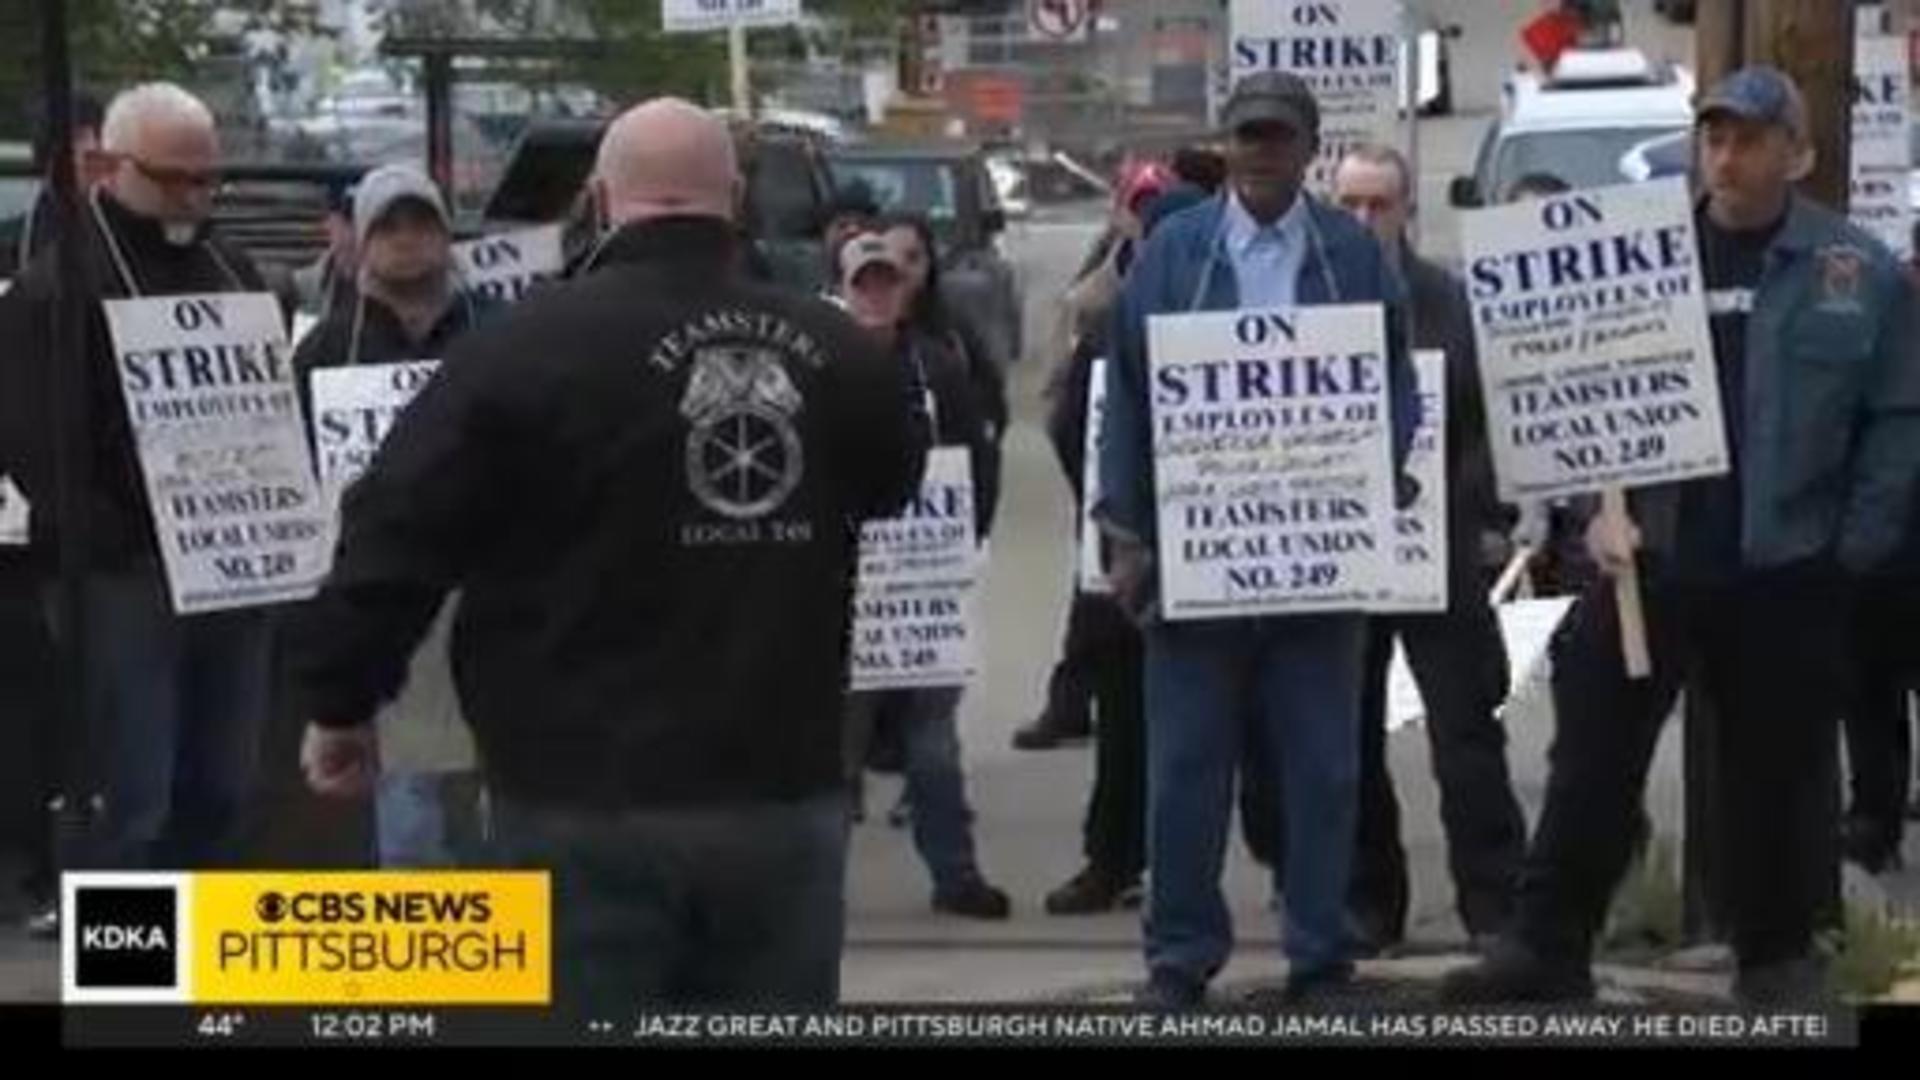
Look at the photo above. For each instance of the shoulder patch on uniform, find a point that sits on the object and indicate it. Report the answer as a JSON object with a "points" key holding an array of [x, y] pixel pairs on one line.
{"points": [[1843, 271]]}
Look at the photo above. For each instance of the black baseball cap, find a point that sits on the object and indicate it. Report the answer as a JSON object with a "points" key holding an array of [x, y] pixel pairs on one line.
{"points": [[1272, 97]]}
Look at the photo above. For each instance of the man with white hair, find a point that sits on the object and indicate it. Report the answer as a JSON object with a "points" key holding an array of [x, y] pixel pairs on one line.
{"points": [[646, 484], [175, 704]]}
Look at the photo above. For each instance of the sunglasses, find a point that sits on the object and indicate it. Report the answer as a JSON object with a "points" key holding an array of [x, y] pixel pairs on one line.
{"points": [[167, 177]]}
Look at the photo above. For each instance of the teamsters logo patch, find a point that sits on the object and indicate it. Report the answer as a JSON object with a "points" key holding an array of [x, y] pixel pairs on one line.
{"points": [[743, 455], [1842, 268]]}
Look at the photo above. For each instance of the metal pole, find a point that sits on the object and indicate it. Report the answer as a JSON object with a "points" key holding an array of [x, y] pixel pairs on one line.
{"points": [[440, 120], [76, 799], [1410, 29], [737, 62]]}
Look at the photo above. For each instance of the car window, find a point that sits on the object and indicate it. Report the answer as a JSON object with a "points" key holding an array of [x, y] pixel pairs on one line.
{"points": [[16, 195], [989, 192], [1483, 165], [781, 192], [1583, 159], [923, 187]]}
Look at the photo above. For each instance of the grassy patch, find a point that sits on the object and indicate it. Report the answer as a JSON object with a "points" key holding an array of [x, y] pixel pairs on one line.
{"points": [[1648, 909], [1873, 953]]}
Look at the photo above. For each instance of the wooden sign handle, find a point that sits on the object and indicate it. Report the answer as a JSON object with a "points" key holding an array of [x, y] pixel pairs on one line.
{"points": [[1626, 594]]}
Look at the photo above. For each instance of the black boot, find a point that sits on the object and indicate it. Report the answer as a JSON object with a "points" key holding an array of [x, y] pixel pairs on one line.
{"points": [[1090, 892], [1320, 986], [1372, 934], [973, 898], [1797, 982], [1048, 733], [1873, 846], [1512, 973], [44, 923]]}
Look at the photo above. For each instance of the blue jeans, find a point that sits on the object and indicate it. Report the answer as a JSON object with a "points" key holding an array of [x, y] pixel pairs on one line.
{"points": [[717, 906], [427, 820], [936, 786], [1298, 678], [177, 706]]}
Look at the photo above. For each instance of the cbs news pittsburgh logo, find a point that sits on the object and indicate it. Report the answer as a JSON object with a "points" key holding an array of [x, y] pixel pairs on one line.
{"points": [[306, 939]]}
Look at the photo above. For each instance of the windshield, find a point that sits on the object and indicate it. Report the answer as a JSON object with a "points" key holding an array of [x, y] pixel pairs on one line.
{"points": [[1582, 158], [17, 195], [921, 187]]}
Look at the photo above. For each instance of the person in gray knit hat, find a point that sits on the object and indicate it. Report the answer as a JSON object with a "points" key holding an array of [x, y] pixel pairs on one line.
{"points": [[407, 305]]}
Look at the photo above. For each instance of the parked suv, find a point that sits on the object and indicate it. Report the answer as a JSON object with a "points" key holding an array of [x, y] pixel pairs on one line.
{"points": [[788, 187], [951, 184], [1578, 123]]}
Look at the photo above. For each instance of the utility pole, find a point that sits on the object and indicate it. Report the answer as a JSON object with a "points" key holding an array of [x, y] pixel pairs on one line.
{"points": [[1812, 41], [738, 68]]}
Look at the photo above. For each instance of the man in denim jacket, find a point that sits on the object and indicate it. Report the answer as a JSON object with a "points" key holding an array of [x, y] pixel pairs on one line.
{"points": [[1746, 577], [1262, 244]]}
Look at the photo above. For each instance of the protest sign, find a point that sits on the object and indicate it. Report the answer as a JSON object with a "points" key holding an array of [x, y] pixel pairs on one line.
{"points": [[502, 268], [1417, 569], [1093, 576], [353, 409], [701, 16], [1590, 311], [914, 613], [16, 514], [209, 391], [1348, 51], [1272, 440], [1598, 369], [1882, 151]]}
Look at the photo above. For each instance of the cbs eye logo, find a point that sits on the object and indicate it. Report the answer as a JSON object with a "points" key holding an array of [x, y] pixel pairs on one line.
{"points": [[274, 908]]}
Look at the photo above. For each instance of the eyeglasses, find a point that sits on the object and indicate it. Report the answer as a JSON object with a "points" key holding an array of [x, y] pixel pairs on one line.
{"points": [[167, 177]]}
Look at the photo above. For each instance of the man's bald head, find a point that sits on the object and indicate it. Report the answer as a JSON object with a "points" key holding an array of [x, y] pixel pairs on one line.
{"points": [[667, 158]]}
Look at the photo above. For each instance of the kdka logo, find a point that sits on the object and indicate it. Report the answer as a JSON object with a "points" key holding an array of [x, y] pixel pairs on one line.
{"points": [[126, 938], [123, 938]]}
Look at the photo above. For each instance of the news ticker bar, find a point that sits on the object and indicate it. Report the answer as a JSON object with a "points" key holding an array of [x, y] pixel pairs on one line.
{"points": [[130, 1027]]}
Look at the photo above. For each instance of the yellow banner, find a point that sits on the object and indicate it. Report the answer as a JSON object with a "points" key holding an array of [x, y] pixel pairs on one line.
{"points": [[370, 938]]}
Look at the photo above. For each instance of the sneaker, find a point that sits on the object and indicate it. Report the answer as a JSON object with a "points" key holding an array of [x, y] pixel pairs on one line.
{"points": [[1801, 981], [1045, 734], [1171, 992], [1372, 936], [1512, 973], [975, 899], [1318, 986], [1871, 846], [1089, 892], [44, 924]]}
